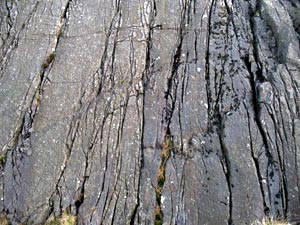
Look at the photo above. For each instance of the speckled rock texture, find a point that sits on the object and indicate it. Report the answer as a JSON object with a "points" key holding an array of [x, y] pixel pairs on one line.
{"points": [[150, 111]]}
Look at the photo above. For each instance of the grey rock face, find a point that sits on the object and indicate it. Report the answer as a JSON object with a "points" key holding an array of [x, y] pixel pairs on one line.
{"points": [[150, 111]]}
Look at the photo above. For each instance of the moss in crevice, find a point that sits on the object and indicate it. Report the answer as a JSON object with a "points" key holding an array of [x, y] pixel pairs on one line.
{"points": [[165, 153], [158, 220], [65, 219], [2, 160], [48, 60]]}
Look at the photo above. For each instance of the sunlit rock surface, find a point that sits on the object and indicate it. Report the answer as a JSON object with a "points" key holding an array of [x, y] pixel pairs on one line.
{"points": [[150, 111]]}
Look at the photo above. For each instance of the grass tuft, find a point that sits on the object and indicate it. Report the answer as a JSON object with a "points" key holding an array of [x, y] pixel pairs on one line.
{"points": [[3, 220], [64, 219], [271, 221], [158, 216]]}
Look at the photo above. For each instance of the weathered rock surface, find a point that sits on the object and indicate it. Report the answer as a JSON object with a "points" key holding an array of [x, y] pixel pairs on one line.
{"points": [[150, 111]]}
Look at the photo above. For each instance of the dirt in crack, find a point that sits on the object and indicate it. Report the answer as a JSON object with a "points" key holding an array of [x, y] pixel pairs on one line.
{"points": [[165, 153]]}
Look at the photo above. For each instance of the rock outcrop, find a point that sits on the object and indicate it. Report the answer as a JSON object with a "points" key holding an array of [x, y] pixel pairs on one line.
{"points": [[150, 111]]}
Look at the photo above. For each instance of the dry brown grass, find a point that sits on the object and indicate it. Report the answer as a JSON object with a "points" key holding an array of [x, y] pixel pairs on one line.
{"points": [[3, 220], [270, 221]]}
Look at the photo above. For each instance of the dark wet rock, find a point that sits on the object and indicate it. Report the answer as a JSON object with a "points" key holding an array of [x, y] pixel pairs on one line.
{"points": [[149, 112]]}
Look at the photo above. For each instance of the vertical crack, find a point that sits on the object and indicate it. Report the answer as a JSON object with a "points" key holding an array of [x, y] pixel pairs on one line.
{"points": [[225, 162], [11, 42], [170, 105], [207, 67], [256, 164], [148, 22], [218, 29], [20, 140], [257, 77], [165, 153], [257, 109]]}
